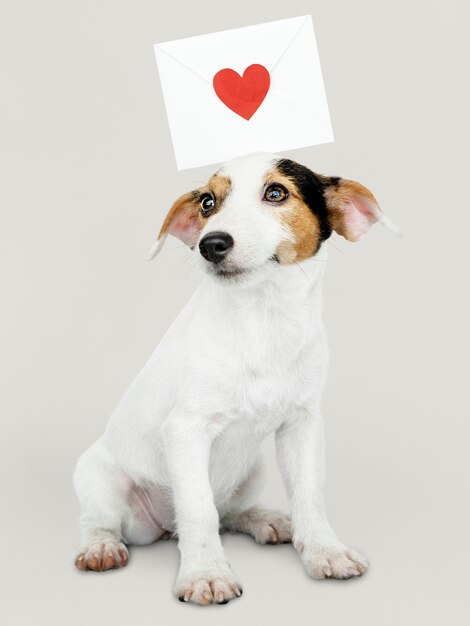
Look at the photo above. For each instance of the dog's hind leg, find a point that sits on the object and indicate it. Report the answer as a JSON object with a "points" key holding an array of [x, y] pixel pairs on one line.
{"points": [[243, 516], [264, 525], [102, 490]]}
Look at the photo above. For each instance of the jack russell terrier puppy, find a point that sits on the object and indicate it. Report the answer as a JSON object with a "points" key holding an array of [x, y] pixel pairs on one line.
{"points": [[245, 358]]}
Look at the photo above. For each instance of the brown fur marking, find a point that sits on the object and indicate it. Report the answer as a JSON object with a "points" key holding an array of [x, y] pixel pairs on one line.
{"points": [[219, 186], [187, 208], [339, 195], [186, 204], [300, 221]]}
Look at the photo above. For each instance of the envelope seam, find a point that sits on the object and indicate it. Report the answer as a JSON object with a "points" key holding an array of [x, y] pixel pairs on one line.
{"points": [[307, 17], [290, 42], [183, 64]]}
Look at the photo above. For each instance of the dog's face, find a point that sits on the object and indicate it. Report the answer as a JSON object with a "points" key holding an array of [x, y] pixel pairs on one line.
{"points": [[261, 211]]}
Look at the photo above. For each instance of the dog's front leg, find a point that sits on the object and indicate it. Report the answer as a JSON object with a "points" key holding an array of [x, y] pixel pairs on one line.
{"points": [[300, 451], [205, 576]]}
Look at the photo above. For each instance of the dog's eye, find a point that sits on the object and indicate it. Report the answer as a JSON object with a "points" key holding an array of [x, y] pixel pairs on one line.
{"points": [[207, 204], [275, 193]]}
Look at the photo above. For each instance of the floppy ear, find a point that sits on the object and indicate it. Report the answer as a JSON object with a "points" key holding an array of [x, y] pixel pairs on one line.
{"points": [[181, 221], [352, 209]]}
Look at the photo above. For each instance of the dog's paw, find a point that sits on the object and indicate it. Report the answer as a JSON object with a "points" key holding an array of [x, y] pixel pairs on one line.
{"points": [[334, 562], [100, 557], [272, 528], [263, 525], [210, 587]]}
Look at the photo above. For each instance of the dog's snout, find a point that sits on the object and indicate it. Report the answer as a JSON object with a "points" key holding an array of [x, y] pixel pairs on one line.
{"points": [[214, 247]]}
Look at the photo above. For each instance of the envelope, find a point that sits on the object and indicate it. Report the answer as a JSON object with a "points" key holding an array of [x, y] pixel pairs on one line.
{"points": [[252, 89]]}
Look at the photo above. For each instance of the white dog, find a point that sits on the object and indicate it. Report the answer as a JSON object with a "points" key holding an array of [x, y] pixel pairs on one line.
{"points": [[245, 358]]}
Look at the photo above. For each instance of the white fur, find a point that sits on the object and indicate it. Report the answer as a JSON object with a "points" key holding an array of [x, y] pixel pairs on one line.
{"points": [[245, 358]]}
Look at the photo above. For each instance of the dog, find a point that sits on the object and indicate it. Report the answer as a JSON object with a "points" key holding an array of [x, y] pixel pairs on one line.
{"points": [[245, 358]]}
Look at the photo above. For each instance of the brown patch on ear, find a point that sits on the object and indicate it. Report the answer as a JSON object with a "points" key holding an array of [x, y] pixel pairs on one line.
{"points": [[182, 219], [352, 208]]}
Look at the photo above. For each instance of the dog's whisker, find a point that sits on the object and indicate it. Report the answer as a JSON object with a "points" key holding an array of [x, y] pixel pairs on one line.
{"points": [[303, 272], [335, 247], [199, 182]]}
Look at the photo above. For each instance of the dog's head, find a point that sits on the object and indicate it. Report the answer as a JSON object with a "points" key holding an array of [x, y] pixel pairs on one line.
{"points": [[262, 210]]}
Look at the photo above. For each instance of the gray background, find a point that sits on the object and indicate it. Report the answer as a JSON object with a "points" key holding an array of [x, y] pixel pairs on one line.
{"points": [[87, 174]]}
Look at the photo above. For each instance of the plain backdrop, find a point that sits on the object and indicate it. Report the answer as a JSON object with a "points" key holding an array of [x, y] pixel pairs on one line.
{"points": [[87, 174]]}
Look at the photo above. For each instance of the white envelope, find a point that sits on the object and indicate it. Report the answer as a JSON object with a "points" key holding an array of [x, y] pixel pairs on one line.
{"points": [[294, 111]]}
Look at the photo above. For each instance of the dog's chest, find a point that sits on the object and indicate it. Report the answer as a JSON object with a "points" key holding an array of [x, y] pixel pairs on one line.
{"points": [[260, 365], [273, 378]]}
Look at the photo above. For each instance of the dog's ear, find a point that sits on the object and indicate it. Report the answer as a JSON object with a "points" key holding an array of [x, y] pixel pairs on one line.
{"points": [[352, 209], [181, 221]]}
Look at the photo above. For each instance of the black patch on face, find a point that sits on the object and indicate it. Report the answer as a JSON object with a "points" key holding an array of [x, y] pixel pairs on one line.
{"points": [[311, 188]]}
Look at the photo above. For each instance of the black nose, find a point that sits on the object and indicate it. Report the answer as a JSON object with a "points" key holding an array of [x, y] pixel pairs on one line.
{"points": [[215, 246]]}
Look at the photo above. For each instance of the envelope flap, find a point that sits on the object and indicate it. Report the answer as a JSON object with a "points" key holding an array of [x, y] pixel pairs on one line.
{"points": [[236, 49]]}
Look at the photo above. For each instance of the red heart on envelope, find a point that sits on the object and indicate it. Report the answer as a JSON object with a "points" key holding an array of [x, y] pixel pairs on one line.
{"points": [[242, 94]]}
